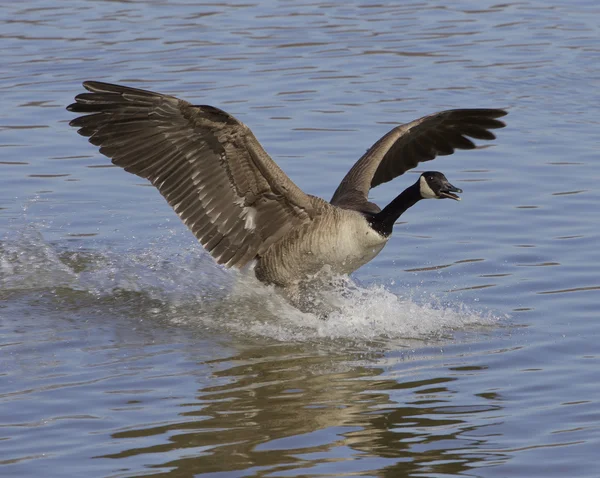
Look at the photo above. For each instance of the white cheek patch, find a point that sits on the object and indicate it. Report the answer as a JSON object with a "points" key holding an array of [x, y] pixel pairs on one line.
{"points": [[426, 191]]}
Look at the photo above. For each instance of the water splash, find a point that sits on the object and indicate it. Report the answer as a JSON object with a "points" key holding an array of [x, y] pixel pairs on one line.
{"points": [[182, 286], [364, 313]]}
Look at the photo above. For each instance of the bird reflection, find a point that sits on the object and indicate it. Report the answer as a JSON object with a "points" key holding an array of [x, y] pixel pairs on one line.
{"points": [[287, 407]]}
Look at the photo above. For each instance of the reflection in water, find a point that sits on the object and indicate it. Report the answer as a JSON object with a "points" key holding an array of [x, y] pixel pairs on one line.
{"points": [[289, 408]]}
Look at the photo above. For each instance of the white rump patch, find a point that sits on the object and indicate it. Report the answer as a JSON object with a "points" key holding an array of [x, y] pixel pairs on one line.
{"points": [[426, 191]]}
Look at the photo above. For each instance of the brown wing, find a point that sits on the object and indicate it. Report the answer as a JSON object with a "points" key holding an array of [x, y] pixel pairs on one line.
{"points": [[208, 166], [409, 144]]}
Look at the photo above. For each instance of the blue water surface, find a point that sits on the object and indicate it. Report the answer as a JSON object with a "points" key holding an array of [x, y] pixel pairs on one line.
{"points": [[468, 347]]}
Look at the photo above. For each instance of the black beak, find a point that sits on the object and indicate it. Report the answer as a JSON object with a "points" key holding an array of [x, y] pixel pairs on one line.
{"points": [[447, 192]]}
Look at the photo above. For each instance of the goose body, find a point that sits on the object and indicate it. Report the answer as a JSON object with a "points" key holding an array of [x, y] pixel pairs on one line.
{"points": [[241, 206], [350, 242]]}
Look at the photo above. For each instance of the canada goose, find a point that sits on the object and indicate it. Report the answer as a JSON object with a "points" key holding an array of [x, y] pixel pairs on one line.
{"points": [[241, 206]]}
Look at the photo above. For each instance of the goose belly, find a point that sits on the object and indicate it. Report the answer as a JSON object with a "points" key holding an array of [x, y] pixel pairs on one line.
{"points": [[351, 245], [342, 241]]}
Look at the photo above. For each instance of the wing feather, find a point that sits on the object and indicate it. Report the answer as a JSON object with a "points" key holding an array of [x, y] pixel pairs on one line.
{"points": [[208, 165], [407, 145]]}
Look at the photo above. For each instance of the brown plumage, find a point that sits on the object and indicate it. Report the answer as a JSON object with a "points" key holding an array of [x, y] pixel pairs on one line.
{"points": [[208, 166], [234, 198], [407, 145]]}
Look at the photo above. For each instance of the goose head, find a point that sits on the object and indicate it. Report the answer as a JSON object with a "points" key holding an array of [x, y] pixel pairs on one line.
{"points": [[434, 185]]}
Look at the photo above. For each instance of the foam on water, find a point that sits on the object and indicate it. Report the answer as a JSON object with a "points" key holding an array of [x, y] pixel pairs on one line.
{"points": [[184, 287]]}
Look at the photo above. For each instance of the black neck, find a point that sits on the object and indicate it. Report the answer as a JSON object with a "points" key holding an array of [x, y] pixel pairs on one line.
{"points": [[383, 222]]}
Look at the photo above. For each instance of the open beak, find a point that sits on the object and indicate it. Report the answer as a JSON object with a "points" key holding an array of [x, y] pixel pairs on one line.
{"points": [[448, 192]]}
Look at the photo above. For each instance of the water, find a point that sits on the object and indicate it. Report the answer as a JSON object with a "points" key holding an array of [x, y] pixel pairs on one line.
{"points": [[468, 347]]}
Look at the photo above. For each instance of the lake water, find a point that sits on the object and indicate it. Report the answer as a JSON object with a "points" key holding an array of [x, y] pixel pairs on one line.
{"points": [[468, 347]]}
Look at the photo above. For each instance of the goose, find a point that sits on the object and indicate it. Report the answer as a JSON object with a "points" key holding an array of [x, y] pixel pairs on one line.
{"points": [[237, 201]]}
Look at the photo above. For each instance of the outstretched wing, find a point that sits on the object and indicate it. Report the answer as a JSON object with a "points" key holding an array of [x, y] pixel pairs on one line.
{"points": [[208, 166], [409, 144]]}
